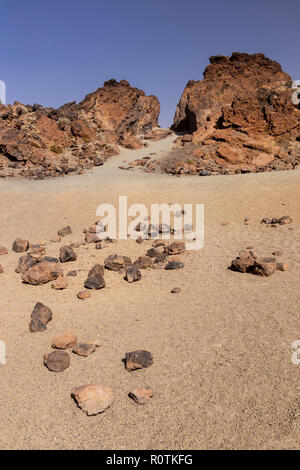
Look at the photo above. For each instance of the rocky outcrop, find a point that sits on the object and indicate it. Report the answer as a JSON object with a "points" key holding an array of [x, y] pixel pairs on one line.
{"points": [[240, 116], [39, 142]]}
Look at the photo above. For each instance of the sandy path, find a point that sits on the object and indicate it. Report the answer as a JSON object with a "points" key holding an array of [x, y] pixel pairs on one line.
{"points": [[222, 373]]}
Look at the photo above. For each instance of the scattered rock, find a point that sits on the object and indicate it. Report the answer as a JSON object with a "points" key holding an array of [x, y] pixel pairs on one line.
{"points": [[139, 359], [60, 283], [176, 290], [84, 294], [264, 266], [277, 253], [56, 239], [174, 265], [84, 349], [244, 261], [141, 395], [116, 262], [41, 273], [95, 280], [154, 252], [20, 245], [281, 221], [246, 221], [67, 254], [40, 317], [175, 248], [93, 399], [65, 340], [282, 266], [57, 361], [26, 262], [143, 262], [132, 273], [97, 269], [64, 231], [72, 273], [3, 250]]}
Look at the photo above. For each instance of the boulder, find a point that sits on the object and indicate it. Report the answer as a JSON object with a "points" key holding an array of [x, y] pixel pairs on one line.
{"points": [[41, 273], [20, 245], [66, 254]]}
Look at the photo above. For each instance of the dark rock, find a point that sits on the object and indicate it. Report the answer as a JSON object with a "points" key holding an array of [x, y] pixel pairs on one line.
{"points": [[64, 231], [66, 254], [116, 262], [57, 361], [174, 265], [40, 317], [20, 245], [132, 273], [139, 359]]}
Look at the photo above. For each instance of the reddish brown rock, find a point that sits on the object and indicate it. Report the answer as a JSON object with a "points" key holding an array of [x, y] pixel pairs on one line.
{"points": [[41, 273], [244, 261], [20, 245], [84, 349], [93, 399], [241, 116], [3, 250], [282, 266], [117, 262], [143, 262], [265, 266], [139, 359], [40, 317], [175, 248], [60, 283], [64, 231], [26, 262], [83, 295], [66, 254], [65, 340], [142, 395], [57, 361], [132, 273]]}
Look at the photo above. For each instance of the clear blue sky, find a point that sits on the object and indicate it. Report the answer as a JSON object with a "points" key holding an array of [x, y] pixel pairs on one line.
{"points": [[57, 51]]}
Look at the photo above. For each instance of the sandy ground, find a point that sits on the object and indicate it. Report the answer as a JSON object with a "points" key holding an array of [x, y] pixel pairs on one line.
{"points": [[222, 373]]}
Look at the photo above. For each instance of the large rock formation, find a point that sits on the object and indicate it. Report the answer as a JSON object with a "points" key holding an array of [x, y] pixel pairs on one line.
{"points": [[40, 141], [241, 116]]}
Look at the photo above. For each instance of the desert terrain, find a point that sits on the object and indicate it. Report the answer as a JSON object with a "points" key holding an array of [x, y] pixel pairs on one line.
{"points": [[222, 374]]}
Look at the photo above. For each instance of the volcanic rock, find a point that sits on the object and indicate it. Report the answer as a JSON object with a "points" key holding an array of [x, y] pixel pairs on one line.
{"points": [[264, 266], [141, 395], [83, 295], [175, 248], [3, 250], [143, 262], [26, 262], [244, 261], [57, 361], [139, 359], [117, 262], [20, 245], [84, 349], [95, 281], [64, 231], [174, 265], [65, 340], [66, 254], [40, 317], [93, 399], [132, 273], [41, 273], [60, 283]]}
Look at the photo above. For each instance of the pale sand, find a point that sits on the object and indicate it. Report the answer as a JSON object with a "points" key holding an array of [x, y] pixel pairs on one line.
{"points": [[222, 373]]}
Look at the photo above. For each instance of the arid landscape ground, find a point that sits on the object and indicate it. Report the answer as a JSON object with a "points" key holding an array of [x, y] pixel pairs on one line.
{"points": [[222, 373]]}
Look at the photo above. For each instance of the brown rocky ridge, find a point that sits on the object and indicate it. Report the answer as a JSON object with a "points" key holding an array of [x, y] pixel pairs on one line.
{"points": [[42, 142]]}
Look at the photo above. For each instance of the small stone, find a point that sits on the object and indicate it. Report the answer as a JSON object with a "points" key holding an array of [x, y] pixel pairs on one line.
{"points": [[84, 349], [117, 262], [84, 294], [26, 262], [64, 231], [153, 252], [93, 399], [97, 269], [72, 274], [95, 281], [246, 221], [60, 283], [139, 359], [176, 290], [174, 265], [57, 361], [243, 262], [67, 254], [277, 253], [66, 340], [282, 266], [175, 248], [141, 395], [285, 220], [40, 317], [56, 239], [132, 273], [3, 250], [143, 262], [265, 266], [20, 245]]}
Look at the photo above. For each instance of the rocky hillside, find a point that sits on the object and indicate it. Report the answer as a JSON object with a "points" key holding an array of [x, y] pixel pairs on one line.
{"points": [[240, 117], [40, 142]]}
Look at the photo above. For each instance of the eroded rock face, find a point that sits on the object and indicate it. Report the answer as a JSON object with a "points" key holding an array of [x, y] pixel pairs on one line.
{"points": [[40, 142], [241, 115]]}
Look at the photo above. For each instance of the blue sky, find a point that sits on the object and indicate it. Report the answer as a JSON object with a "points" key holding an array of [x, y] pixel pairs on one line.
{"points": [[58, 51]]}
